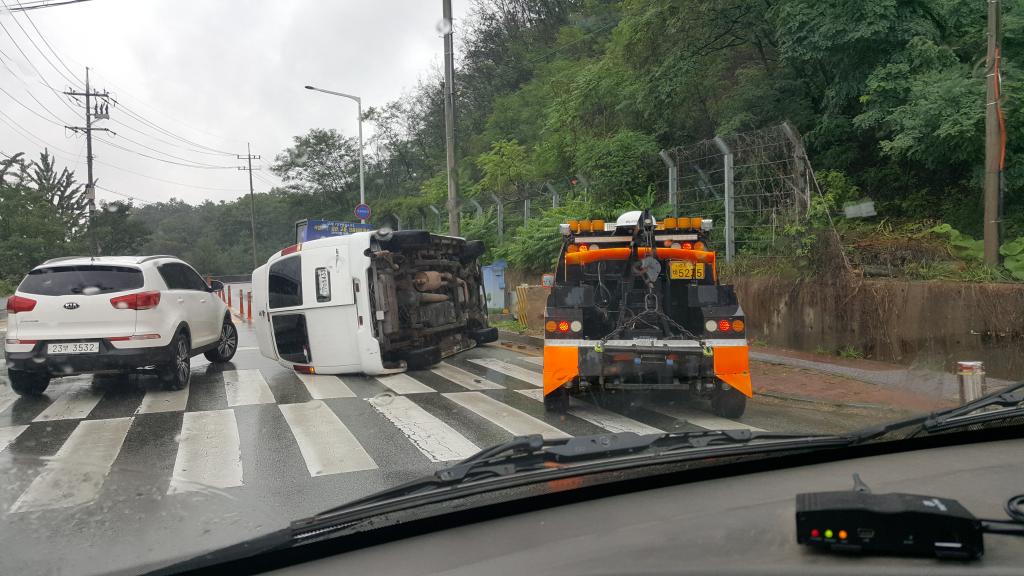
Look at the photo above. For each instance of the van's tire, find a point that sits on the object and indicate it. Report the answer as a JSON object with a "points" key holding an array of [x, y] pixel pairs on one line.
{"points": [[176, 374], [557, 402], [422, 358], [473, 250], [227, 344], [729, 403], [28, 383], [410, 239], [484, 335]]}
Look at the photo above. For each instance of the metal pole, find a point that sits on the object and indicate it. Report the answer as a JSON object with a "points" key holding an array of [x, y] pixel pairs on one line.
{"points": [[554, 194], [501, 216], [971, 377], [438, 212], [526, 211], [362, 190], [673, 180], [252, 205], [449, 120], [479, 208], [993, 144], [730, 223], [90, 187]]}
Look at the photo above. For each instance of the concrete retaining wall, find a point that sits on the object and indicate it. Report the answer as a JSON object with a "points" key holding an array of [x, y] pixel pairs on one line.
{"points": [[926, 324]]}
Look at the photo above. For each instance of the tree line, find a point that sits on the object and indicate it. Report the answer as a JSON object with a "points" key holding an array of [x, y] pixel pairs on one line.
{"points": [[888, 94]]}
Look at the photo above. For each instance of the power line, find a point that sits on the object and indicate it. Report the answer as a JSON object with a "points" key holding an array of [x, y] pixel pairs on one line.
{"points": [[43, 4], [146, 202], [29, 108], [74, 77], [158, 139], [143, 154], [197, 187], [30, 94], [32, 64]]}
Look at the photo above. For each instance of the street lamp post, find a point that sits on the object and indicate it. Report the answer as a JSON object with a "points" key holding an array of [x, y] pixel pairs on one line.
{"points": [[359, 104]]}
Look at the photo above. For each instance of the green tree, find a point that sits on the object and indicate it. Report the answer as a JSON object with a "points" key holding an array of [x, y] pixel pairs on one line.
{"points": [[114, 232]]}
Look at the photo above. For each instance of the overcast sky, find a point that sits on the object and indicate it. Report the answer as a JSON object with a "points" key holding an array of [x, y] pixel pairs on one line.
{"points": [[216, 72]]}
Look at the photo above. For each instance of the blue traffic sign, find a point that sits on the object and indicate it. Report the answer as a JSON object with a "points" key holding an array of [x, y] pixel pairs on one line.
{"points": [[362, 211]]}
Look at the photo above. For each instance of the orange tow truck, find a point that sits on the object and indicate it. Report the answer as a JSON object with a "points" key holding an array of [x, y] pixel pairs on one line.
{"points": [[636, 307]]}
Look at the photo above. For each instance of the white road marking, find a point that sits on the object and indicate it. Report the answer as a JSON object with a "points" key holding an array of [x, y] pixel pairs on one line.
{"points": [[8, 434], [209, 453], [246, 387], [435, 439], [404, 384], [606, 419], [517, 422], [164, 401], [510, 370], [326, 444], [702, 419], [465, 379], [74, 404], [322, 386], [75, 475], [538, 360]]}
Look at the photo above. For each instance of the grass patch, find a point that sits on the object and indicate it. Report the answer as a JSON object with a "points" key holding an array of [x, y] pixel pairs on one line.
{"points": [[850, 353], [508, 326]]}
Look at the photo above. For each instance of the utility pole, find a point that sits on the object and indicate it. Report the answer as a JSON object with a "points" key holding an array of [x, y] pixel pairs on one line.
{"points": [[449, 120], [252, 197], [94, 110], [993, 139]]}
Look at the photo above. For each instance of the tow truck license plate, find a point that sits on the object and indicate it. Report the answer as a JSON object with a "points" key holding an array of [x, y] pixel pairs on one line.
{"points": [[686, 270], [73, 348]]}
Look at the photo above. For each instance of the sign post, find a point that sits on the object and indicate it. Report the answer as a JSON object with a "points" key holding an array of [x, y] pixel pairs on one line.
{"points": [[362, 212]]}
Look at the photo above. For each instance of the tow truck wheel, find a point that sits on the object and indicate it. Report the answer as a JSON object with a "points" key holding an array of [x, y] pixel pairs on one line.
{"points": [[729, 403], [484, 335], [557, 401]]}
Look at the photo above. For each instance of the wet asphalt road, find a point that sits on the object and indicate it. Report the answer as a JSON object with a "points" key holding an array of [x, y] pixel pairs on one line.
{"points": [[102, 475]]}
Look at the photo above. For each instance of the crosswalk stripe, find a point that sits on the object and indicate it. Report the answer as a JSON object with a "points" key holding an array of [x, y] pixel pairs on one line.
{"points": [[404, 384], [517, 422], [74, 404], [538, 360], [209, 453], [326, 444], [606, 419], [435, 439], [322, 386], [246, 387], [164, 401], [510, 370], [75, 475], [465, 379], [9, 434], [704, 420]]}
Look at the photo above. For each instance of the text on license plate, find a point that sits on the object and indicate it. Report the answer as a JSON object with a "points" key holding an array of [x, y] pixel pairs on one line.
{"points": [[683, 270], [73, 348]]}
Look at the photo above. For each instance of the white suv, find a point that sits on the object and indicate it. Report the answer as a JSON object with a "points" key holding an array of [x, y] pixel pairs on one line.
{"points": [[114, 314]]}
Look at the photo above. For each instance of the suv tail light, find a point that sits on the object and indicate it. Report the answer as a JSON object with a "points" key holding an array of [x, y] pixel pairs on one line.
{"points": [[17, 304], [137, 301]]}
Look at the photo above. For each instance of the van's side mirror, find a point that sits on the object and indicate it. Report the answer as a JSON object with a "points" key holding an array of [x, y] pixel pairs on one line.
{"points": [[216, 285]]}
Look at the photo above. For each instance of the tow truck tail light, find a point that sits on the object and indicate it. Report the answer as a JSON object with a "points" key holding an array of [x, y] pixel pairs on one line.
{"points": [[563, 326], [573, 248], [699, 246], [723, 325], [738, 325], [687, 246], [16, 304], [137, 301]]}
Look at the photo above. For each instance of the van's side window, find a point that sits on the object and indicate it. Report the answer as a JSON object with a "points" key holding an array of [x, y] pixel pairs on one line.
{"points": [[285, 282]]}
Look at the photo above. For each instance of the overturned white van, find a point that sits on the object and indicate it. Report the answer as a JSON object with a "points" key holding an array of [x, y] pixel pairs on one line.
{"points": [[371, 302]]}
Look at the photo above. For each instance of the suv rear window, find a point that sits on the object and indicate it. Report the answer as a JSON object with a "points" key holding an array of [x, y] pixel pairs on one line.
{"points": [[85, 280]]}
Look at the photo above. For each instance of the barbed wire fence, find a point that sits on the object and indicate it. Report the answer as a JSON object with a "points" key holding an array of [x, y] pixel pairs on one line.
{"points": [[753, 184]]}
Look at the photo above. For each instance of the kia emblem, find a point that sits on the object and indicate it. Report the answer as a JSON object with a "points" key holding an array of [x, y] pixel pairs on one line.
{"points": [[71, 306]]}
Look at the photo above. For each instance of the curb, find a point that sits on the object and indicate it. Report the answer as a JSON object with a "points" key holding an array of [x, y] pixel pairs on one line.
{"points": [[520, 338]]}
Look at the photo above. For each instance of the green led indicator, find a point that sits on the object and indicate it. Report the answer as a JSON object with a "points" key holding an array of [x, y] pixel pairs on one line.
{"points": [[828, 533]]}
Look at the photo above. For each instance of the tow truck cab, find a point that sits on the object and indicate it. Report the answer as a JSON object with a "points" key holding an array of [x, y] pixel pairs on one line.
{"points": [[636, 306], [371, 302]]}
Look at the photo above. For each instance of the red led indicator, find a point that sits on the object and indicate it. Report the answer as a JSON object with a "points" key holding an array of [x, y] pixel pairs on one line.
{"points": [[815, 533]]}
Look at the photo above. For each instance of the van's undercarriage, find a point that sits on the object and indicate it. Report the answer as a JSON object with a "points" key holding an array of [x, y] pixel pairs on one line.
{"points": [[427, 296]]}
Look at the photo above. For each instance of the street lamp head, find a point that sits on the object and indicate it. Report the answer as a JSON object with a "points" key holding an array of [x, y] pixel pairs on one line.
{"points": [[308, 87]]}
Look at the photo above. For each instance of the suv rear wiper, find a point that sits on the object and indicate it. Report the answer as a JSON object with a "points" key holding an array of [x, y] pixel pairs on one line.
{"points": [[1011, 397], [532, 453]]}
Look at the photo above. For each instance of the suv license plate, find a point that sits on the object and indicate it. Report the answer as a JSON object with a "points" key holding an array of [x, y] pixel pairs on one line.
{"points": [[73, 348]]}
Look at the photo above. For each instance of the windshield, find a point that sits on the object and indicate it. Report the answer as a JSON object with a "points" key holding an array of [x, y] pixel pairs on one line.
{"points": [[370, 239]]}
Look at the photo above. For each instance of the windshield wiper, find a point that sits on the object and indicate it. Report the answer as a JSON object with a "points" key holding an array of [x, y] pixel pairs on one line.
{"points": [[533, 453], [1011, 397]]}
